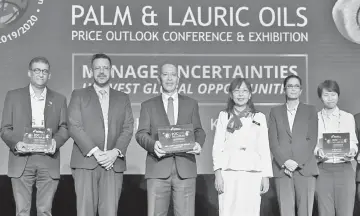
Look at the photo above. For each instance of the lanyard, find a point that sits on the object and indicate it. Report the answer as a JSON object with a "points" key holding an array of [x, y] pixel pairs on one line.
{"points": [[338, 123]]}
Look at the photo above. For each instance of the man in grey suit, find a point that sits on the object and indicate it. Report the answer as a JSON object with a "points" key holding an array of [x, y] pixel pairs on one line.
{"points": [[35, 105], [357, 130], [293, 131], [173, 174], [101, 124]]}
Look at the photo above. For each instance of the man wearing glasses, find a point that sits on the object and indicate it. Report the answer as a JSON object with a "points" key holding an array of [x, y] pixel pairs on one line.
{"points": [[101, 125], [293, 131], [34, 106]]}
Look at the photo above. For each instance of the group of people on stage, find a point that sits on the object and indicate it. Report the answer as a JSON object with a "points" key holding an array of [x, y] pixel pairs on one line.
{"points": [[302, 171], [247, 150]]}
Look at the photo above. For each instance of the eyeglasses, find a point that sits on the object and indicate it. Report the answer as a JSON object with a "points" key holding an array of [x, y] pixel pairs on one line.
{"points": [[43, 71], [292, 86], [105, 68], [242, 91]]}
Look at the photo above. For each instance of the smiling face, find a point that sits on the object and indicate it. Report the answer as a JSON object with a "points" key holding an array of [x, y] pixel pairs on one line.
{"points": [[39, 74], [241, 95], [101, 68], [169, 78], [329, 98], [293, 89]]}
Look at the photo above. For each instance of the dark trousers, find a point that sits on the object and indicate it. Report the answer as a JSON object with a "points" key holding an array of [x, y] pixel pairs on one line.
{"points": [[35, 173], [296, 193], [335, 189], [97, 190], [182, 191]]}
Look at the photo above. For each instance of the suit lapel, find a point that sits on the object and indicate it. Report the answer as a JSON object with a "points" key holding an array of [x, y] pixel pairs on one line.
{"points": [[299, 116], [161, 109], [112, 107], [286, 120], [48, 106], [94, 100], [27, 105], [181, 108]]}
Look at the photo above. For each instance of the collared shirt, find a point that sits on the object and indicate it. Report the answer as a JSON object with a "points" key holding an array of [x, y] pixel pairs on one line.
{"points": [[165, 99], [37, 107], [291, 114], [104, 102], [337, 122], [104, 99]]}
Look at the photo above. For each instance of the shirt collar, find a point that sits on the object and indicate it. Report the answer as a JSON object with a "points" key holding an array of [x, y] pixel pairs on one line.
{"points": [[32, 93], [293, 109], [98, 88], [165, 97], [335, 113]]}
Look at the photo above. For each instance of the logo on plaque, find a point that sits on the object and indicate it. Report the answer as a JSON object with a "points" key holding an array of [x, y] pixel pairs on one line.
{"points": [[336, 144], [177, 138], [37, 140]]}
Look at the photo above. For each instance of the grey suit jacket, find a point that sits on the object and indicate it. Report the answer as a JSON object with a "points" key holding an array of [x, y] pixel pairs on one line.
{"points": [[86, 126], [297, 145], [357, 124], [17, 115], [152, 116]]}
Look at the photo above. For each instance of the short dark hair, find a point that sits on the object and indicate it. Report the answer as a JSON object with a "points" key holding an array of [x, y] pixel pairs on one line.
{"points": [[39, 59], [292, 76], [330, 85], [99, 56]]}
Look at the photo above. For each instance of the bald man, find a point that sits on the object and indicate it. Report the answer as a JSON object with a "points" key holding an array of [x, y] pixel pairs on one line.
{"points": [[169, 175]]}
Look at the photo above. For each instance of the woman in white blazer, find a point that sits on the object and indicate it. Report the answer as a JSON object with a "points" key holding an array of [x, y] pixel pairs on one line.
{"points": [[241, 154]]}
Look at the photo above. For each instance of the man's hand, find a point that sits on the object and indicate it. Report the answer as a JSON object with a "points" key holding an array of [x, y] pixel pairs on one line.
{"points": [[20, 147], [196, 150], [264, 185], [52, 149], [288, 172], [290, 165], [99, 155], [350, 156], [219, 182], [358, 158], [108, 158], [158, 151]]}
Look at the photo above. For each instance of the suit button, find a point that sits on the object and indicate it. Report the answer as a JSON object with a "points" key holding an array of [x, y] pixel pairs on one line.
{"points": [[290, 141]]}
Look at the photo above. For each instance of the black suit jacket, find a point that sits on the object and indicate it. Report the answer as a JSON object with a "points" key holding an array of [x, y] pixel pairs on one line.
{"points": [[152, 116], [298, 144], [17, 115]]}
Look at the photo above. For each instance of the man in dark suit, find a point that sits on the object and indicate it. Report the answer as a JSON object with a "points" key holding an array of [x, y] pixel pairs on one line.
{"points": [[175, 173], [34, 106], [101, 123], [293, 130], [357, 125]]}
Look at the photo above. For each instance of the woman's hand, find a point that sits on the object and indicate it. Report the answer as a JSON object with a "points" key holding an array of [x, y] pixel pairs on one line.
{"points": [[264, 185], [219, 182]]}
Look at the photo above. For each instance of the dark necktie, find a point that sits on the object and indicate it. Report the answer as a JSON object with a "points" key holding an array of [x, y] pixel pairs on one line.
{"points": [[170, 111]]}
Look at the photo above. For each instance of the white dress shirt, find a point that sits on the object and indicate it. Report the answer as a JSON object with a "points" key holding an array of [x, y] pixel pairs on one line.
{"points": [[104, 100], [37, 107], [291, 115], [165, 99], [337, 122], [247, 149]]}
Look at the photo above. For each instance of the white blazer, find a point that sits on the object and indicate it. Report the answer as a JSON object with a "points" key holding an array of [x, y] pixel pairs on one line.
{"points": [[246, 149]]}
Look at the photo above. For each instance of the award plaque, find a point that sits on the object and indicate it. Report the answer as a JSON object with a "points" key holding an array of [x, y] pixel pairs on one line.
{"points": [[336, 144], [37, 140], [177, 138]]}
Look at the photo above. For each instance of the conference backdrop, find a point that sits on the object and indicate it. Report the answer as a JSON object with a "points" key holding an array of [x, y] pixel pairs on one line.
{"points": [[210, 42]]}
